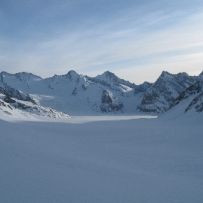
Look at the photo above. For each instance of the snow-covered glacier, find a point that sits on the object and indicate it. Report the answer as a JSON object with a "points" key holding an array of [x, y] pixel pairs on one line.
{"points": [[102, 159]]}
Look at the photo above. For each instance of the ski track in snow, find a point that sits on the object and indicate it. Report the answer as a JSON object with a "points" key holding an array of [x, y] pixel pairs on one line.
{"points": [[102, 159]]}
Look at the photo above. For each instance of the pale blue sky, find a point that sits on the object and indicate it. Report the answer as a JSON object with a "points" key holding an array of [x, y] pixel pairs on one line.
{"points": [[133, 38]]}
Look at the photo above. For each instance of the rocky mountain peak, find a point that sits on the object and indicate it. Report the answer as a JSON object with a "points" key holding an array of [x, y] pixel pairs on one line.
{"points": [[201, 75], [106, 92], [165, 74], [72, 74], [107, 76], [169, 76], [3, 74], [27, 76]]}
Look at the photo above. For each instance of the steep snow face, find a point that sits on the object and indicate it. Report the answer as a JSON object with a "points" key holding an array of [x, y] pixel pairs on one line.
{"points": [[14, 104], [21, 81], [11, 92], [109, 79], [192, 97], [196, 104], [161, 95], [19, 110]]}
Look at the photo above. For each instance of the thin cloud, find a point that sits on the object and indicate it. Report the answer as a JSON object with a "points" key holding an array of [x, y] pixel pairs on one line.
{"points": [[128, 43]]}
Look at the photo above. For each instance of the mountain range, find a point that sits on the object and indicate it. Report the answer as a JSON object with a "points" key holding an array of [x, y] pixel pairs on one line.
{"points": [[77, 94]]}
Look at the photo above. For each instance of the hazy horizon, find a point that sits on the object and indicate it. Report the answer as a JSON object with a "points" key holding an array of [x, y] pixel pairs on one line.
{"points": [[93, 75], [134, 39]]}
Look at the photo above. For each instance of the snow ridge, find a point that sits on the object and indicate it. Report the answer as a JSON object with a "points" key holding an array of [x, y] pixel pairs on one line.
{"points": [[77, 94]]}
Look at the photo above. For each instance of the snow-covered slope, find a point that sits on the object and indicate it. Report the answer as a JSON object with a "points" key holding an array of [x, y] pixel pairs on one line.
{"points": [[77, 94], [81, 95], [162, 94], [111, 80], [21, 81], [194, 96], [19, 110], [15, 104], [120, 161]]}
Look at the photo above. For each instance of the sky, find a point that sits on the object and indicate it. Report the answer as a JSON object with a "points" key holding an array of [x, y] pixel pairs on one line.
{"points": [[135, 39]]}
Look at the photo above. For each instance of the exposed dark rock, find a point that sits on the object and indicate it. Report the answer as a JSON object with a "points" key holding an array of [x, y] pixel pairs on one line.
{"points": [[108, 103], [75, 91], [9, 100], [196, 103], [13, 93], [161, 96]]}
